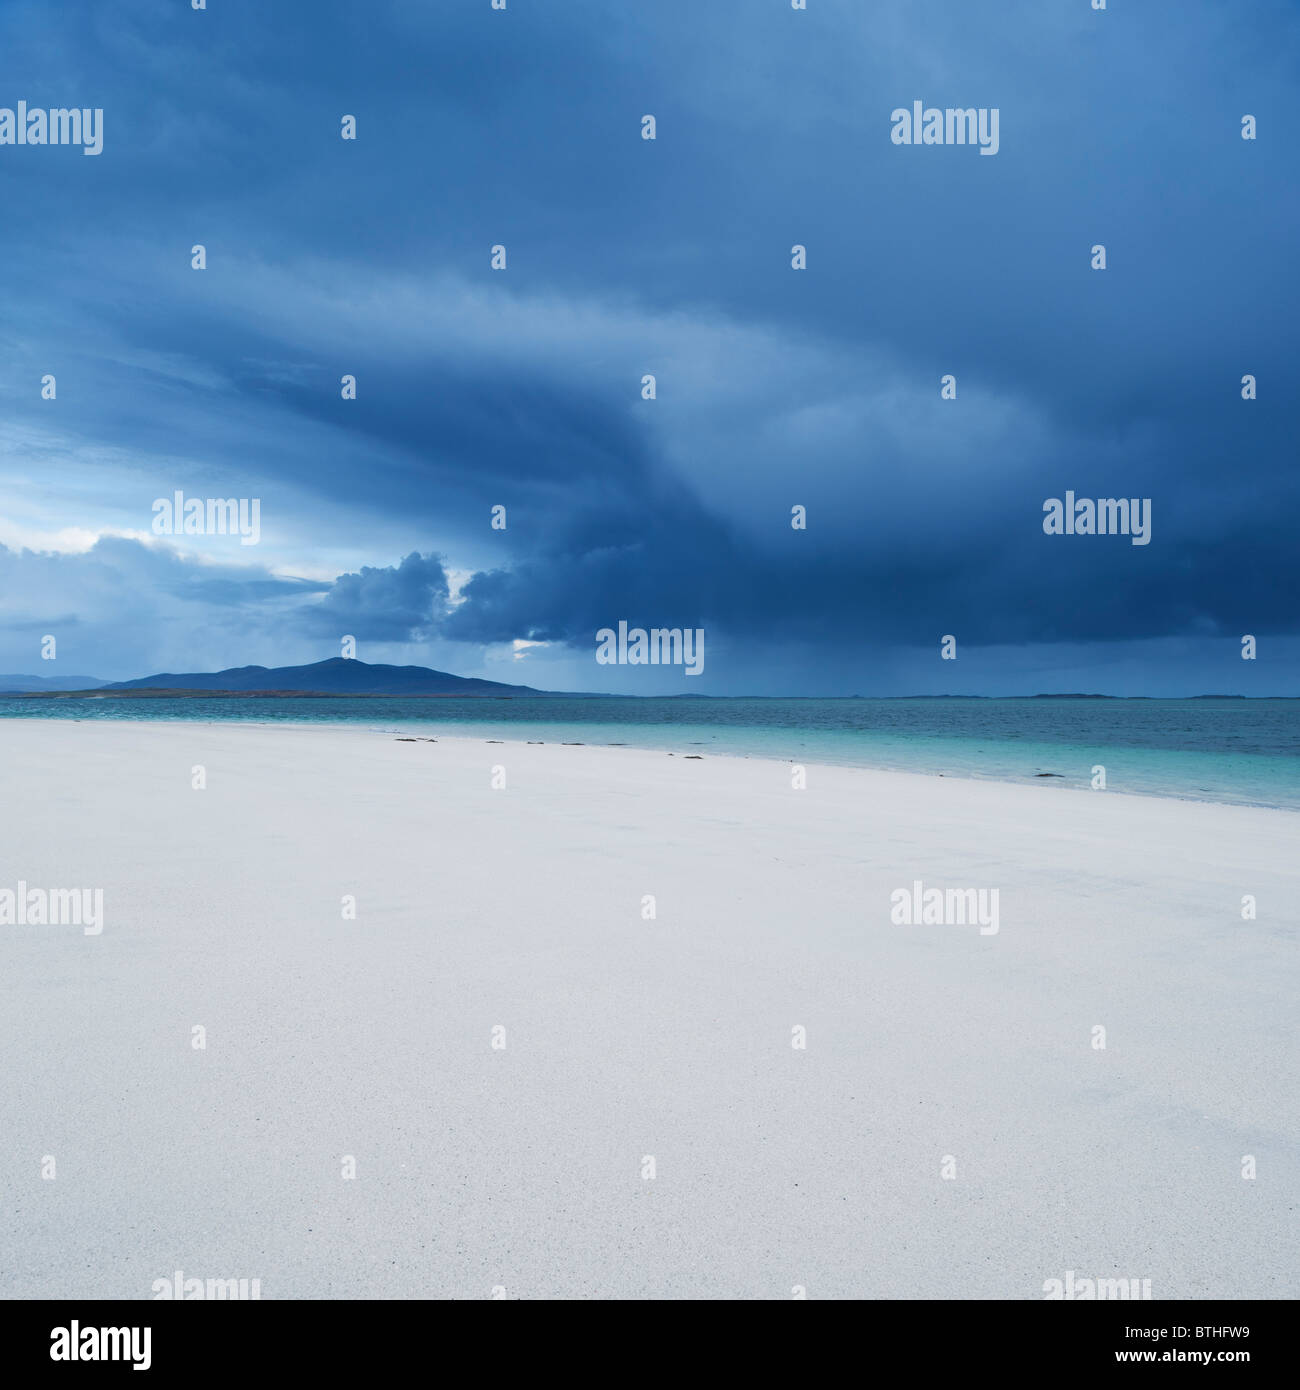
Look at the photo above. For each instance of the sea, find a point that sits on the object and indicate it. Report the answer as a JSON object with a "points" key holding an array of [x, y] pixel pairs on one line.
{"points": [[1239, 751]]}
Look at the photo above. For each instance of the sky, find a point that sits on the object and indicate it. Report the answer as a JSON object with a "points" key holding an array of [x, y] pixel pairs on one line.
{"points": [[522, 388]]}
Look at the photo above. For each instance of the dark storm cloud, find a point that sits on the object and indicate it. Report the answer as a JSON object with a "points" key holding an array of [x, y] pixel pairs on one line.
{"points": [[398, 604], [775, 387]]}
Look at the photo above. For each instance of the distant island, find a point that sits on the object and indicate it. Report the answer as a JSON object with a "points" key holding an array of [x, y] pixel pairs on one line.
{"points": [[337, 676], [344, 677]]}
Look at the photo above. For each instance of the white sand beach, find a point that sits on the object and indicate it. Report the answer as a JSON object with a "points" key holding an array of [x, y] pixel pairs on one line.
{"points": [[521, 1168]]}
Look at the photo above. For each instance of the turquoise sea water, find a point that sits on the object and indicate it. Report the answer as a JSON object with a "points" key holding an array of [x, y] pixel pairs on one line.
{"points": [[1241, 751]]}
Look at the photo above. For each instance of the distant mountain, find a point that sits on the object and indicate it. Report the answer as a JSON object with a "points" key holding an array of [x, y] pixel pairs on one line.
{"points": [[337, 676], [26, 685]]}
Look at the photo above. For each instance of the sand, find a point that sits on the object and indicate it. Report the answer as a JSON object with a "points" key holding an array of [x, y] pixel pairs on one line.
{"points": [[521, 1168]]}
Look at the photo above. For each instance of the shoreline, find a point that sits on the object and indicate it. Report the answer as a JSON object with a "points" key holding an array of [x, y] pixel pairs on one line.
{"points": [[815, 759]]}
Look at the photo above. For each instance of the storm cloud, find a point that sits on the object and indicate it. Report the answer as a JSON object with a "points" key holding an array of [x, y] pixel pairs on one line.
{"points": [[523, 389]]}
